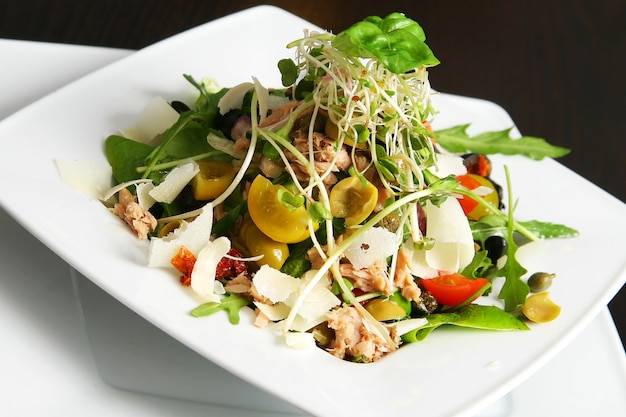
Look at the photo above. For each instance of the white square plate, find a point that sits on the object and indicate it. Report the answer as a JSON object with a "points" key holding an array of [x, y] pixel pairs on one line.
{"points": [[453, 372]]}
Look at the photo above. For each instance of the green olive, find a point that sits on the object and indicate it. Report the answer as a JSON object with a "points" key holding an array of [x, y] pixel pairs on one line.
{"points": [[353, 200], [540, 308], [540, 281], [383, 309], [257, 243], [323, 334]]}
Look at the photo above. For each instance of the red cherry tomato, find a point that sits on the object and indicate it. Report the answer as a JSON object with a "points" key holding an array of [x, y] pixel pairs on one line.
{"points": [[454, 289], [471, 208]]}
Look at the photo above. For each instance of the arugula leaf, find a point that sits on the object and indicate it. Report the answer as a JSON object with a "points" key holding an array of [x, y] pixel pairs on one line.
{"points": [[456, 139], [495, 225], [231, 304], [479, 267], [125, 156], [514, 291], [471, 316], [396, 41], [547, 230]]}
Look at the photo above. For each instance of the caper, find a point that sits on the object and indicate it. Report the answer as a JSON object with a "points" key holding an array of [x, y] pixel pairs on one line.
{"points": [[540, 281], [390, 222]]}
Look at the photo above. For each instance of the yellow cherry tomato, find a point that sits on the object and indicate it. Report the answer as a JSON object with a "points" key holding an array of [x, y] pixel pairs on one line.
{"points": [[275, 219], [257, 243], [471, 208], [353, 200], [332, 131], [212, 180]]}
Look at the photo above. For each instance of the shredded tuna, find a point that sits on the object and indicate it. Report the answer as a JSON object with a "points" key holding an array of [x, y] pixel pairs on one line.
{"points": [[327, 159], [241, 285], [141, 221], [241, 127], [409, 289], [404, 280], [352, 337], [261, 321], [369, 279], [279, 114]]}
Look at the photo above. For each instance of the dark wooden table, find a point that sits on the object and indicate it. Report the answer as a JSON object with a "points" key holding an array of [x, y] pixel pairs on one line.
{"points": [[556, 66]]}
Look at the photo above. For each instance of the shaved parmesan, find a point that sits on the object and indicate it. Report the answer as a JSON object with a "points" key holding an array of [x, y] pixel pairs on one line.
{"points": [[448, 226], [284, 290], [204, 269], [275, 312], [192, 235], [405, 326], [144, 198], [448, 164], [300, 340], [263, 97], [86, 177], [154, 119], [174, 182], [275, 285], [225, 145], [233, 99], [375, 244]]}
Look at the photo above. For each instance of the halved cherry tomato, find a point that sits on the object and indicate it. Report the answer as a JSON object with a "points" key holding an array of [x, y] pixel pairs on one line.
{"points": [[352, 200], [276, 220], [454, 289], [471, 208], [212, 180]]}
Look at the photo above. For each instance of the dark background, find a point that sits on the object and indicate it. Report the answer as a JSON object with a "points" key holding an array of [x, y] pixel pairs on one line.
{"points": [[556, 66]]}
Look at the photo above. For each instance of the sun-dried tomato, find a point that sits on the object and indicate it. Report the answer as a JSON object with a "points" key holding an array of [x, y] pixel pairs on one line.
{"points": [[231, 266], [184, 261]]}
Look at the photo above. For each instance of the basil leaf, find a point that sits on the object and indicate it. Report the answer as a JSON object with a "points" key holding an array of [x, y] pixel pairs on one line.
{"points": [[396, 41]]}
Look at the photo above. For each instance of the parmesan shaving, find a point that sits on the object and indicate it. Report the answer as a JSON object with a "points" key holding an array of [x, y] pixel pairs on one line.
{"points": [[86, 177], [375, 244], [174, 182], [192, 235], [204, 269]]}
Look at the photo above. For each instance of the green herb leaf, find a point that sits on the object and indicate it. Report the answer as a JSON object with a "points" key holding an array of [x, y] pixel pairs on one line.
{"points": [[514, 291], [479, 267], [495, 225], [297, 262], [456, 139], [231, 304], [471, 316], [396, 41], [125, 156], [288, 70], [547, 230]]}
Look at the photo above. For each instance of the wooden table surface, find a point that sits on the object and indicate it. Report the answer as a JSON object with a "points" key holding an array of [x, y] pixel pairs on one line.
{"points": [[556, 66]]}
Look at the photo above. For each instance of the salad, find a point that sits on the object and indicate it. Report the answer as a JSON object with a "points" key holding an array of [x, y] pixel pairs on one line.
{"points": [[329, 205]]}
